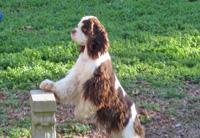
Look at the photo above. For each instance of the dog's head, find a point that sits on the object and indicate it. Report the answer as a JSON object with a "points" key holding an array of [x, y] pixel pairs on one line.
{"points": [[91, 34]]}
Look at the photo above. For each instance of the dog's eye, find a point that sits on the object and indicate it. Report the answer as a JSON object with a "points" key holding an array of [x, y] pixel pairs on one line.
{"points": [[84, 30]]}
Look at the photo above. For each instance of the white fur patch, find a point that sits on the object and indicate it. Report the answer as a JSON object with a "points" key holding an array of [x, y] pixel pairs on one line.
{"points": [[128, 131], [80, 24], [79, 36], [117, 85]]}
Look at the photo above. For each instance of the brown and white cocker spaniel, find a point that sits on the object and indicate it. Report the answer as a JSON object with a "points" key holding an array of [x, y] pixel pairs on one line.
{"points": [[92, 86]]}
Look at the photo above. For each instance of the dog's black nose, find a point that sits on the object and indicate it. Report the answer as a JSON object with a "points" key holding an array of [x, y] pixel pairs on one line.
{"points": [[73, 31]]}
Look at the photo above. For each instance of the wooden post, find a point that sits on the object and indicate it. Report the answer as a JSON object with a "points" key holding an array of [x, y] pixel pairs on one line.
{"points": [[43, 108]]}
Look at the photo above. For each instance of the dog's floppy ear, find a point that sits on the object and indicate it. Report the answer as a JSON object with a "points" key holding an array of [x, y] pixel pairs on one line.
{"points": [[98, 42]]}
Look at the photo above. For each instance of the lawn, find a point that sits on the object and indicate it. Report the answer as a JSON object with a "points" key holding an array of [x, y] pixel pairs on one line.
{"points": [[155, 51]]}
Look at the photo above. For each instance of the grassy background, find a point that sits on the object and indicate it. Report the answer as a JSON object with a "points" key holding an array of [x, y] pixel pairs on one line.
{"points": [[154, 41]]}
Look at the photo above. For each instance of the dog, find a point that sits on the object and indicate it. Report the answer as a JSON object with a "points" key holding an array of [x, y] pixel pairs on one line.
{"points": [[92, 86]]}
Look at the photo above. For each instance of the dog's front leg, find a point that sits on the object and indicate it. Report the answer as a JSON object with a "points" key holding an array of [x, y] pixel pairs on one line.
{"points": [[47, 85], [63, 89]]}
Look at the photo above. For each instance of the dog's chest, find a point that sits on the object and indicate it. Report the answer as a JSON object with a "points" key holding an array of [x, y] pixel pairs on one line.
{"points": [[85, 66], [84, 69]]}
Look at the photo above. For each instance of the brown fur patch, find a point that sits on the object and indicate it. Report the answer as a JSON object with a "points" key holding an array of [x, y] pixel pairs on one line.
{"points": [[82, 48], [98, 42], [100, 89], [116, 116], [114, 110], [127, 103]]}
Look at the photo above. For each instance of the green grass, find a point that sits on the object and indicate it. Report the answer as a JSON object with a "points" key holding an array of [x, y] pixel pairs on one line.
{"points": [[149, 106], [162, 37], [195, 99], [150, 40], [15, 132], [72, 127]]}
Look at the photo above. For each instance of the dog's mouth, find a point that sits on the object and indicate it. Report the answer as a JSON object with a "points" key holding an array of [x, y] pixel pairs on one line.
{"points": [[75, 40]]}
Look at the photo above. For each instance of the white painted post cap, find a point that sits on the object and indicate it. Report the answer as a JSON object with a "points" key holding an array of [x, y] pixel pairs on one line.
{"points": [[42, 101]]}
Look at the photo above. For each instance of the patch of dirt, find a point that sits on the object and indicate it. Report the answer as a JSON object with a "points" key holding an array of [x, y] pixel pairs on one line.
{"points": [[175, 118], [65, 111], [14, 110]]}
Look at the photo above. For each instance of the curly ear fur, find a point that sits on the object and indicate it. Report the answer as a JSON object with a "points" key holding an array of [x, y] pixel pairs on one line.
{"points": [[98, 42]]}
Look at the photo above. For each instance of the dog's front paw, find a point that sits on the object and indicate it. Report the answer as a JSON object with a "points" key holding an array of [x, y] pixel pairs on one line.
{"points": [[46, 85]]}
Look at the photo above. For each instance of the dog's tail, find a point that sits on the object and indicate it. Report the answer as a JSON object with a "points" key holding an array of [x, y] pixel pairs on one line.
{"points": [[139, 128], [141, 111], [137, 125]]}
